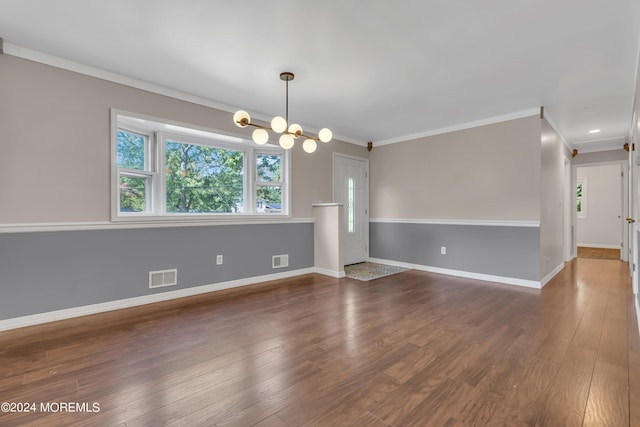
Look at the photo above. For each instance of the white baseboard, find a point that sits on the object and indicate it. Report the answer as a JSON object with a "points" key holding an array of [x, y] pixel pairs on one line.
{"points": [[330, 273], [486, 277], [52, 316], [551, 275], [598, 246]]}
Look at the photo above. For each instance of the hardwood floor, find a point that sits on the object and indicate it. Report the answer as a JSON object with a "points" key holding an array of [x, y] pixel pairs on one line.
{"points": [[598, 253], [412, 349]]}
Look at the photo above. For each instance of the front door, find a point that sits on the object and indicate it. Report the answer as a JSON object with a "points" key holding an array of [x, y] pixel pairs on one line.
{"points": [[351, 189]]}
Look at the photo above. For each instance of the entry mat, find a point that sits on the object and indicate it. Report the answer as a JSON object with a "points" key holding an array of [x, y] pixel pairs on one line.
{"points": [[369, 270]]}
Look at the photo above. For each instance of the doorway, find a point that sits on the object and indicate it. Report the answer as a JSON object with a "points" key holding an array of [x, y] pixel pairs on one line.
{"points": [[351, 189], [600, 209]]}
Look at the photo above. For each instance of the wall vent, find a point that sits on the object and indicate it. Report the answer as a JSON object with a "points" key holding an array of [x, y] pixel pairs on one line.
{"points": [[160, 278], [279, 261]]}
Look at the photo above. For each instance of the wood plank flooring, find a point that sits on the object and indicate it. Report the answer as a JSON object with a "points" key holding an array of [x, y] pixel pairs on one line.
{"points": [[598, 253], [412, 349]]}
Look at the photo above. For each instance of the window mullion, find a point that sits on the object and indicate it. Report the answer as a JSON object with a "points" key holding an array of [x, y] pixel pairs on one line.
{"points": [[134, 173], [251, 176], [161, 176]]}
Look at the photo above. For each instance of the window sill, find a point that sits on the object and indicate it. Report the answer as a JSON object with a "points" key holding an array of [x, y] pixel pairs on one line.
{"points": [[198, 218]]}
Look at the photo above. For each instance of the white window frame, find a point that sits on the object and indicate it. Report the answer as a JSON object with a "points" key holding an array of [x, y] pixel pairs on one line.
{"points": [[282, 183], [157, 132], [149, 172]]}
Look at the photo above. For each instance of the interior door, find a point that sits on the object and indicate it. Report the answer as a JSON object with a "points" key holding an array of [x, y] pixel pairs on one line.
{"points": [[634, 192], [351, 189]]}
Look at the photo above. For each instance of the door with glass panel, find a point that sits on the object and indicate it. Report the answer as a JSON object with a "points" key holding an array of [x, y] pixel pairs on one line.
{"points": [[351, 189]]}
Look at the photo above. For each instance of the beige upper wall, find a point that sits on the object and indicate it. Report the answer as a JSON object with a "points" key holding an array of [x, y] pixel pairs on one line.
{"points": [[551, 199], [485, 173], [54, 134]]}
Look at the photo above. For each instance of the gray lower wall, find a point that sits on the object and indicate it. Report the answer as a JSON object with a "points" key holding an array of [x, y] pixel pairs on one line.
{"points": [[496, 250], [47, 271]]}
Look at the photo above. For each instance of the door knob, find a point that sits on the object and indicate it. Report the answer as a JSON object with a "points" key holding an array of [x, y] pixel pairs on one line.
{"points": [[630, 220]]}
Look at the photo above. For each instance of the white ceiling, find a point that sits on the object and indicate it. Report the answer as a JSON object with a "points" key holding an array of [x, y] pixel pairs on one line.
{"points": [[371, 70]]}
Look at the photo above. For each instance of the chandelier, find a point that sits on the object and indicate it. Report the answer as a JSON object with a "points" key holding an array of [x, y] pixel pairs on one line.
{"points": [[289, 132]]}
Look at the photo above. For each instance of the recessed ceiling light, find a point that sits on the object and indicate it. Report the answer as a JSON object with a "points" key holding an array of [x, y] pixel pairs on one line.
{"points": [[594, 131]]}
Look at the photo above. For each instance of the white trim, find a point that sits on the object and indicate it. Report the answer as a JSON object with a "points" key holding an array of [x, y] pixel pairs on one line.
{"points": [[461, 126], [483, 222], [349, 156], [567, 208], [52, 316], [598, 246], [635, 296], [551, 275], [330, 273], [65, 64], [601, 144], [625, 206], [467, 274], [633, 98], [367, 197], [106, 225]]}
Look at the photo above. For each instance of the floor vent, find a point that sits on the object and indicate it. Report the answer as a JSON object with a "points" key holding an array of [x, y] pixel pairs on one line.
{"points": [[279, 261], [158, 279]]}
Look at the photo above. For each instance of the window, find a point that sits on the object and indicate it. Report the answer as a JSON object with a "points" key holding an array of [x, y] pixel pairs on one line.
{"points": [[203, 179], [269, 183], [134, 172], [581, 197], [163, 171]]}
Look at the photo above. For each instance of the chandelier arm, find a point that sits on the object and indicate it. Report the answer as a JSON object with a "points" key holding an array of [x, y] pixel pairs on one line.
{"points": [[286, 131], [255, 125], [315, 138]]}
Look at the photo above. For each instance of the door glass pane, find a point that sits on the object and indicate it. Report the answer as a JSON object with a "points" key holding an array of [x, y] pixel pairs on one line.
{"points": [[351, 226]]}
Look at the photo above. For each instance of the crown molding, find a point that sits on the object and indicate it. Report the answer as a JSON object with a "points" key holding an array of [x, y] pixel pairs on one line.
{"points": [[461, 126], [65, 64]]}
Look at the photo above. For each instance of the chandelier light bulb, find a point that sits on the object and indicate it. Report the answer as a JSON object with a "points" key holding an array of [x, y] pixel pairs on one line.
{"points": [[278, 124], [296, 130], [286, 141], [325, 135], [241, 118], [260, 136], [309, 145]]}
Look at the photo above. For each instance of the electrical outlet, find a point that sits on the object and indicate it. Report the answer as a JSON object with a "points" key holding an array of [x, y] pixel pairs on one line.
{"points": [[443, 250], [218, 259]]}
